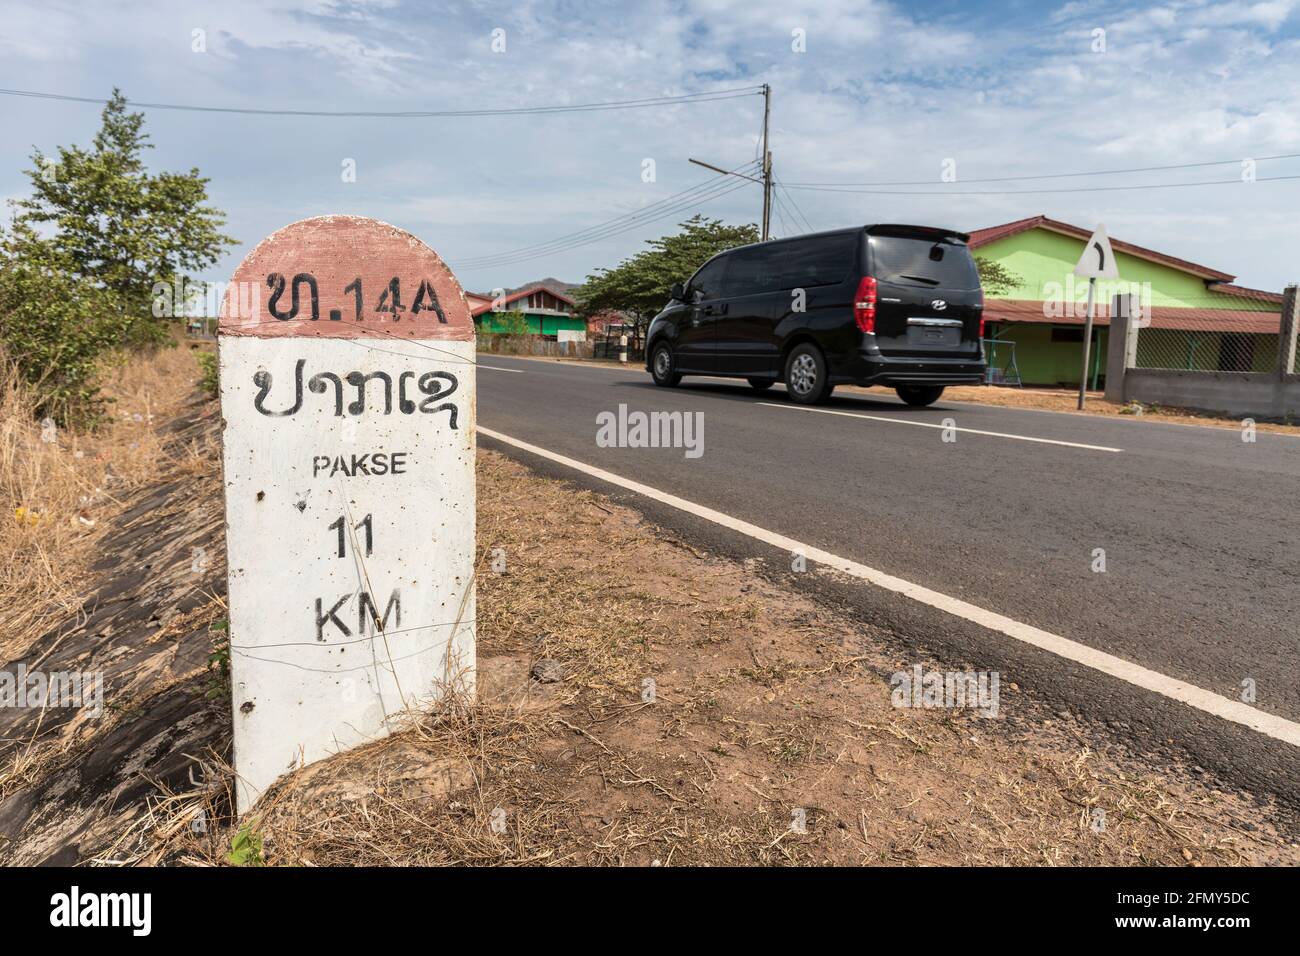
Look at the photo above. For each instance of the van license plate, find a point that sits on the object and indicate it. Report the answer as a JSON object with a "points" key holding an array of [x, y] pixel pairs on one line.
{"points": [[932, 336]]}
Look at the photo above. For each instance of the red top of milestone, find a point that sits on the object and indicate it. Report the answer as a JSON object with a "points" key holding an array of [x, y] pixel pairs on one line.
{"points": [[345, 277]]}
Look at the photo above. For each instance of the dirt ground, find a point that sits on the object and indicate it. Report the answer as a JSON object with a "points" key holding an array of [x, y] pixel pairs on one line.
{"points": [[640, 702], [770, 736]]}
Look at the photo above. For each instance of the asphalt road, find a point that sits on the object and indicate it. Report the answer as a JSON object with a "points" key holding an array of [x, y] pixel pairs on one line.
{"points": [[1201, 534]]}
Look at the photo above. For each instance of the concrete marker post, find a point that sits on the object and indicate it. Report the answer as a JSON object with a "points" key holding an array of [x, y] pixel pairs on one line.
{"points": [[1288, 328], [1119, 339], [347, 367]]}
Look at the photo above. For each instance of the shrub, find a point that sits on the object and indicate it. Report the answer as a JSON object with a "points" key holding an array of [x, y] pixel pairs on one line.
{"points": [[56, 328], [207, 371]]}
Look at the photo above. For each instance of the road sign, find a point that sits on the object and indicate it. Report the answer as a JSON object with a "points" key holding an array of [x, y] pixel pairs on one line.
{"points": [[348, 399], [1097, 261]]}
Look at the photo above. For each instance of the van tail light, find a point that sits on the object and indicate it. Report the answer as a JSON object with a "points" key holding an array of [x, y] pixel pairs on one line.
{"points": [[980, 305], [864, 305]]}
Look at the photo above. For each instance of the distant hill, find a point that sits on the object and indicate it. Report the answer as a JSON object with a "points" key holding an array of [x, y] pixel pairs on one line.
{"points": [[550, 282]]}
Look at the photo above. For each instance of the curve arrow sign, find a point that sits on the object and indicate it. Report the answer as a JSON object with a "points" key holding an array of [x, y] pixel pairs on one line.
{"points": [[1097, 261]]}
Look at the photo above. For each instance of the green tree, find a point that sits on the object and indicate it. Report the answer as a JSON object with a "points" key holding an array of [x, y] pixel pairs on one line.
{"points": [[85, 249], [996, 278], [640, 284], [55, 326], [121, 227], [513, 322]]}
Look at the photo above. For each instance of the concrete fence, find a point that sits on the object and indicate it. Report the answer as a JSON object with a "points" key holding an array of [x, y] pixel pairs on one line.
{"points": [[1274, 394], [499, 343]]}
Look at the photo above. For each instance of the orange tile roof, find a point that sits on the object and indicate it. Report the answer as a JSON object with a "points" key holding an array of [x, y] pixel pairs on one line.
{"points": [[478, 310], [1162, 317]]}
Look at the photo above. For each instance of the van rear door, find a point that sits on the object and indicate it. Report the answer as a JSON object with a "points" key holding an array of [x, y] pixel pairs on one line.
{"points": [[928, 291]]}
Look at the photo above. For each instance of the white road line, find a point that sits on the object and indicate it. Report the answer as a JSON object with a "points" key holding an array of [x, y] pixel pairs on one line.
{"points": [[1268, 724], [970, 431], [498, 368]]}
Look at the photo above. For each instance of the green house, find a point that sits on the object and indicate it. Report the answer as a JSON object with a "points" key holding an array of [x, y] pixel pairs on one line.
{"points": [[545, 312], [1192, 316]]}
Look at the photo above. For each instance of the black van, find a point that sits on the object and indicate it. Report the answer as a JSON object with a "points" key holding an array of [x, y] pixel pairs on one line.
{"points": [[872, 305]]}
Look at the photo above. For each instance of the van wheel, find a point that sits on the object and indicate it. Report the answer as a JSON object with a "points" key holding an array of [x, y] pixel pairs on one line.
{"points": [[662, 367], [919, 395], [806, 374], [760, 384]]}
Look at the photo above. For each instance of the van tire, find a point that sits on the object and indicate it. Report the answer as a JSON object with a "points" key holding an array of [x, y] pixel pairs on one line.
{"points": [[663, 369], [919, 396], [760, 384], [806, 374]]}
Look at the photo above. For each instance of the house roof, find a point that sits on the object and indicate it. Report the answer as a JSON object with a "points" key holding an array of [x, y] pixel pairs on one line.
{"points": [[982, 237], [1245, 292], [1161, 317], [486, 304]]}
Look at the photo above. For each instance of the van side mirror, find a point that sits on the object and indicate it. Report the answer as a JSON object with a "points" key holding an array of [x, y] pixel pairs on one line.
{"points": [[678, 292]]}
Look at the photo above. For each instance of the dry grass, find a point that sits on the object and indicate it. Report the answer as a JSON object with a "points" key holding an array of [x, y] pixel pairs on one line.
{"points": [[765, 704], [59, 487]]}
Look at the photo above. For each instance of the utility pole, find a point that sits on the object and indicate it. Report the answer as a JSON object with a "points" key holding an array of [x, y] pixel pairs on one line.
{"points": [[766, 181], [767, 164]]}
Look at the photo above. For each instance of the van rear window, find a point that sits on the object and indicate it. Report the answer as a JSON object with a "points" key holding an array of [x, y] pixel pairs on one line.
{"points": [[923, 262]]}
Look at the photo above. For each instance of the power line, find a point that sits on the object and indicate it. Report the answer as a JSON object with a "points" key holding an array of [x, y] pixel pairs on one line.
{"points": [[783, 203], [783, 210], [694, 192], [1031, 192], [777, 206], [577, 238], [723, 188], [1095, 172], [701, 97], [795, 205]]}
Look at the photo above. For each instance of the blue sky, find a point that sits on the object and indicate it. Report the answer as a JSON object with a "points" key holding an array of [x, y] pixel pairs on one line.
{"points": [[881, 92]]}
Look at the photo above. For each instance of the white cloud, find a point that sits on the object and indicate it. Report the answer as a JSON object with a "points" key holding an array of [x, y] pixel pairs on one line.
{"points": [[882, 93]]}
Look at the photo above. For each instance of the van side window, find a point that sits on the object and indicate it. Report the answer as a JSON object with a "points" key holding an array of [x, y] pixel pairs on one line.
{"points": [[813, 262], [707, 283], [753, 270]]}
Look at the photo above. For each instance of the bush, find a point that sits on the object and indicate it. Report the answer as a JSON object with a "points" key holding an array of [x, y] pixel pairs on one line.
{"points": [[207, 371], [85, 249], [56, 328]]}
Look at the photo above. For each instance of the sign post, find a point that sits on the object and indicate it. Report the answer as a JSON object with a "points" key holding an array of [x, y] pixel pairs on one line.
{"points": [[348, 403], [1097, 261]]}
